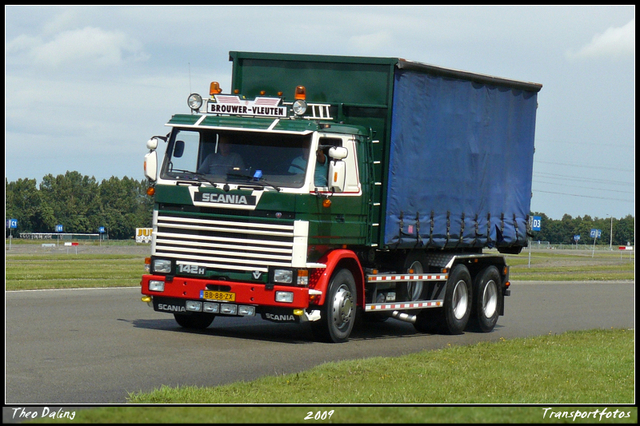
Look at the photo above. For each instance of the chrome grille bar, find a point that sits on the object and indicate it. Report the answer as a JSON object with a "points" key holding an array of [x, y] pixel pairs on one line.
{"points": [[227, 244]]}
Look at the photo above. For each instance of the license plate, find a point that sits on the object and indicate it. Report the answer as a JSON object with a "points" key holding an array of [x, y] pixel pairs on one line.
{"points": [[219, 295]]}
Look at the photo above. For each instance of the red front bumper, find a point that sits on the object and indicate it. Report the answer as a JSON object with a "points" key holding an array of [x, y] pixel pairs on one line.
{"points": [[257, 294]]}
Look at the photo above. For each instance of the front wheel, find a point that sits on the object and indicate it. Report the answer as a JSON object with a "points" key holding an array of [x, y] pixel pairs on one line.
{"points": [[339, 310], [194, 321]]}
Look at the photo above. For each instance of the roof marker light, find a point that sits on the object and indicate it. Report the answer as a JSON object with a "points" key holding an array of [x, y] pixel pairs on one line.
{"points": [[301, 93], [214, 88]]}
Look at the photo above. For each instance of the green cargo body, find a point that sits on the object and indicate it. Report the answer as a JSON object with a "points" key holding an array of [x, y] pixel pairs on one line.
{"points": [[453, 160]]}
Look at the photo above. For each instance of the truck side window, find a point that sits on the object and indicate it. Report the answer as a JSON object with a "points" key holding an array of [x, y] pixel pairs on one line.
{"points": [[351, 182], [322, 164], [184, 151]]}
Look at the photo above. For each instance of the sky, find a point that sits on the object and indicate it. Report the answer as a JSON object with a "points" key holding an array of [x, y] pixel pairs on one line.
{"points": [[86, 86]]}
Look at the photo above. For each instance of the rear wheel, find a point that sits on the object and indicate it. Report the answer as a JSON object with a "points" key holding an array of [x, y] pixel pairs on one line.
{"points": [[486, 300], [412, 291], [339, 311], [457, 301], [194, 321]]}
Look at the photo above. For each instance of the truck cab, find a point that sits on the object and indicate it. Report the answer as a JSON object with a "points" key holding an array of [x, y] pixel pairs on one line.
{"points": [[250, 199]]}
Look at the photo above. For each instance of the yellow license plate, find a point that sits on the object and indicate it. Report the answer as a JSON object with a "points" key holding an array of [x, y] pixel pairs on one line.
{"points": [[219, 295]]}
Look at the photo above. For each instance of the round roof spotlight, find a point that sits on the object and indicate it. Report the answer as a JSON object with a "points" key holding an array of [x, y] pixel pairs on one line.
{"points": [[299, 107], [194, 101]]}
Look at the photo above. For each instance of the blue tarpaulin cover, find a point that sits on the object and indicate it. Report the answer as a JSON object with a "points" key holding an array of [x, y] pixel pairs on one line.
{"points": [[460, 163]]}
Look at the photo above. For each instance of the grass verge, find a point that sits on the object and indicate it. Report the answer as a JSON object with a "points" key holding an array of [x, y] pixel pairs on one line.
{"points": [[515, 381], [589, 367], [46, 271], [569, 265], [41, 271]]}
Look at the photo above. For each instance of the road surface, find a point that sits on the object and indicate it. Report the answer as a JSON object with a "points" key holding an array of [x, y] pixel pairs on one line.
{"points": [[97, 345]]}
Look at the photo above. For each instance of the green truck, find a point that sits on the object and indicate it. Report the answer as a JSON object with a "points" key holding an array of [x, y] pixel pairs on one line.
{"points": [[331, 189]]}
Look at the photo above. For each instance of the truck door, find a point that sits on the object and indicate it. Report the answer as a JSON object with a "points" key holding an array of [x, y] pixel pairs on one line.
{"points": [[340, 211]]}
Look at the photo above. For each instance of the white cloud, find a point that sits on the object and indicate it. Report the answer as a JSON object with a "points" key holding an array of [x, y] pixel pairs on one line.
{"points": [[22, 43], [82, 47], [614, 42], [371, 42]]}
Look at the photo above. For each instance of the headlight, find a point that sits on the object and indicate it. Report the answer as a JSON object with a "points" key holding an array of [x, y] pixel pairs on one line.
{"points": [[162, 266], [155, 285], [194, 101], [211, 308], [193, 306], [284, 297], [283, 276], [299, 107], [247, 311]]}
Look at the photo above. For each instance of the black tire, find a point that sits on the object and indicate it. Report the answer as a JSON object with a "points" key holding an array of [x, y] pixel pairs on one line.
{"points": [[486, 300], [194, 321], [456, 310], [339, 310], [412, 291]]}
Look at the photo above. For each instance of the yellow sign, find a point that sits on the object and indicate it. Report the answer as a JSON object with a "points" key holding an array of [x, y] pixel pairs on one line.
{"points": [[143, 235]]}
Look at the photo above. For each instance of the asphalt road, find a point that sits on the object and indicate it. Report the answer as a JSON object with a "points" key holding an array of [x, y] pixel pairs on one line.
{"points": [[96, 345]]}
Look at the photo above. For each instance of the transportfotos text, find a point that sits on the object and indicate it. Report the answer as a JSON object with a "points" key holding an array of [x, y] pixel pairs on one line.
{"points": [[597, 414]]}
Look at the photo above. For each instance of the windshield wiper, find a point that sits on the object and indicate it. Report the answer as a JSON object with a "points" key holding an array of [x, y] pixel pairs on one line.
{"points": [[261, 182], [198, 176]]}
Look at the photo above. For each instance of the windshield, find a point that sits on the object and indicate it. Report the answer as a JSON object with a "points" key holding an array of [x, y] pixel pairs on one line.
{"points": [[237, 157]]}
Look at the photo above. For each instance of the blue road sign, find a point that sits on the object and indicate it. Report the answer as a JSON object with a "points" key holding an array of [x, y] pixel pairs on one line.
{"points": [[536, 223], [595, 233], [58, 228], [12, 223], [101, 230]]}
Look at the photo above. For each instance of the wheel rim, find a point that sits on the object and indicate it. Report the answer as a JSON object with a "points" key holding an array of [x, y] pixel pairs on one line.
{"points": [[342, 307], [460, 299], [490, 299], [414, 288]]}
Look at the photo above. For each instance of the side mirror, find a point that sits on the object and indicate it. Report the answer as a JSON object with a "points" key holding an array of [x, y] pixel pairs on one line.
{"points": [[337, 173], [152, 143], [338, 152], [151, 166]]}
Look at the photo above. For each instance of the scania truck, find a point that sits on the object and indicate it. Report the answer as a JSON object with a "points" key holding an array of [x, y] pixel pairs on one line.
{"points": [[333, 189]]}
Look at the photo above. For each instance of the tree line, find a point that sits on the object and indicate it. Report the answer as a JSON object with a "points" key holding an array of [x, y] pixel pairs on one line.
{"points": [[83, 205], [564, 230], [80, 204]]}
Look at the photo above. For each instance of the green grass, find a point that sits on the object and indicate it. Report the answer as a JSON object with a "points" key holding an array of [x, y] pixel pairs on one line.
{"points": [[569, 265], [30, 272], [577, 367], [70, 270]]}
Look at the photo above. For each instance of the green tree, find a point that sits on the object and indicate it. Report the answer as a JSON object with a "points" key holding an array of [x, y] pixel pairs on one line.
{"points": [[25, 203], [127, 207], [624, 231], [75, 200]]}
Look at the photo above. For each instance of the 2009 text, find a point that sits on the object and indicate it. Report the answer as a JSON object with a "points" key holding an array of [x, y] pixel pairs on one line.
{"points": [[319, 415]]}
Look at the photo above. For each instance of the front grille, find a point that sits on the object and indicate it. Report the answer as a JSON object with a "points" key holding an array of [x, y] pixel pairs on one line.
{"points": [[229, 244]]}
